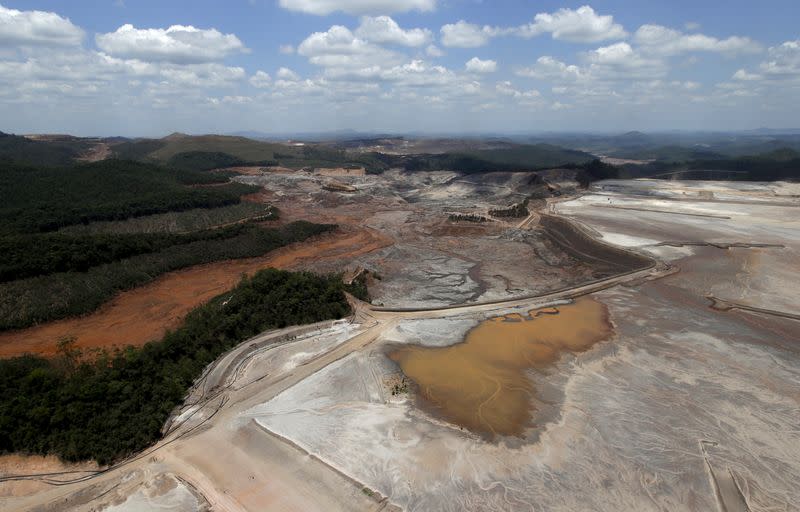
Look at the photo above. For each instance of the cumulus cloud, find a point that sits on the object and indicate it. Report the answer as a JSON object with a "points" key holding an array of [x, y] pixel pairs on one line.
{"points": [[338, 47], [476, 65], [178, 44], [616, 62], [357, 7], [531, 98], [37, 28], [582, 25], [662, 40], [417, 73], [260, 80], [210, 74], [467, 35], [383, 29], [551, 69], [434, 51], [745, 76], [620, 61], [287, 74], [783, 60]]}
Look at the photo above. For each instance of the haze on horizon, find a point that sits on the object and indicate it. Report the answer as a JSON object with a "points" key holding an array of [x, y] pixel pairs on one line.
{"points": [[422, 66]]}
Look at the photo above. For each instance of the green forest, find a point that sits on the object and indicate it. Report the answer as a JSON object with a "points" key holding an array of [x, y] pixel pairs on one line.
{"points": [[39, 199], [15, 149], [48, 272], [112, 404], [26, 302]]}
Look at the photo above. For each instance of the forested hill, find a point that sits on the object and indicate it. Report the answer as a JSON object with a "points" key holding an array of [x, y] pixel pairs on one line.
{"points": [[39, 199], [21, 150]]}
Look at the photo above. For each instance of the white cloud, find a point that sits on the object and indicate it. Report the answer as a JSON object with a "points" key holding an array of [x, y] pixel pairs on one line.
{"points": [[548, 68], [260, 80], [665, 41], [383, 29], [467, 35], [287, 74], [582, 25], [339, 48], [237, 100], [784, 60], [417, 73], [179, 44], [37, 28], [529, 98], [476, 65], [744, 76], [620, 61], [357, 7], [209, 74], [434, 51], [286, 49]]}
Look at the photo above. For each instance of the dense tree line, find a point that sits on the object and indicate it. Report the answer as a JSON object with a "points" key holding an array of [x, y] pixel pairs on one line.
{"points": [[521, 158], [15, 149], [466, 217], [107, 407], [186, 221], [594, 171], [781, 164], [23, 256], [755, 168], [45, 199], [203, 160], [26, 302], [517, 210]]}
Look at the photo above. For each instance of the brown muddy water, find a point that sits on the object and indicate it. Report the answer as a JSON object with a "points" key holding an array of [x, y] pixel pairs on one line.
{"points": [[482, 384]]}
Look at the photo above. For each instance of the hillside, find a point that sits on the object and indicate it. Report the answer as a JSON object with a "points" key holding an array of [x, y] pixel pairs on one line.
{"points": [[162, 150], [48, 153]]}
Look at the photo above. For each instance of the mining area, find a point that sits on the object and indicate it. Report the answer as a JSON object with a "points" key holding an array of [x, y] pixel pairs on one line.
{"points": [[633, 346]]}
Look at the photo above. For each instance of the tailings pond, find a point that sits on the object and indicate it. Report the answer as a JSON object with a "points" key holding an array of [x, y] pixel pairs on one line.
{"points": [[482, 383]]}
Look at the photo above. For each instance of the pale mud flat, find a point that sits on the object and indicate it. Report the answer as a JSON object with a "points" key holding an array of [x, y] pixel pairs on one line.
{"points": [[165, 492], [431, 260], [683, 408]]}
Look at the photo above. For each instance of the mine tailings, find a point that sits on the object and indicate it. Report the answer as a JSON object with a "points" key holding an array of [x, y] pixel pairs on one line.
{"points": [[572, 239], [481, 383]]}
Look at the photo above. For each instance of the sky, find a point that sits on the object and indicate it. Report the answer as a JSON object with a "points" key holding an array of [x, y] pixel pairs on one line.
{"points": [[149, 68]]}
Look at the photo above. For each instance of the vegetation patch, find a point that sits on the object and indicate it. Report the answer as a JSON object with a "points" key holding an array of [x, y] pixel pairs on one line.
{"points": [[466, 217], [186, 221], [43, 199], [517, 210], [51, 153], [30, 301], [114, 404]]}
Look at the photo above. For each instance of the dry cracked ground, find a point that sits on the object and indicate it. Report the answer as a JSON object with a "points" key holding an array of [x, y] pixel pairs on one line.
{"points": [[673, 387]]}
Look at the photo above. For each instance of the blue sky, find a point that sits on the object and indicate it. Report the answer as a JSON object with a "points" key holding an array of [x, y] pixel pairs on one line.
{"points": [[149, 68]]}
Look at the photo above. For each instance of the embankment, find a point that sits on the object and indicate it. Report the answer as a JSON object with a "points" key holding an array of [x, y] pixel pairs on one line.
{"points": [[576, 242]]}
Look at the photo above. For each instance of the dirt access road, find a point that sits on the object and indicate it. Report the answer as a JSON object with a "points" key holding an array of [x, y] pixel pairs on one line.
{"points": [[146, 313]]}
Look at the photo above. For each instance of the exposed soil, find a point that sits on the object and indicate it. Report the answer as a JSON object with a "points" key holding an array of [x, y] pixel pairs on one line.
{"points": [[100, 151], [340, 171], [137, 316], [249, 170], [30, 464]]}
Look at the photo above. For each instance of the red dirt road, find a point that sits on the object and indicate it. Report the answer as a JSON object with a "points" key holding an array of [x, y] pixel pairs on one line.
{"points": [[143, 314]]}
